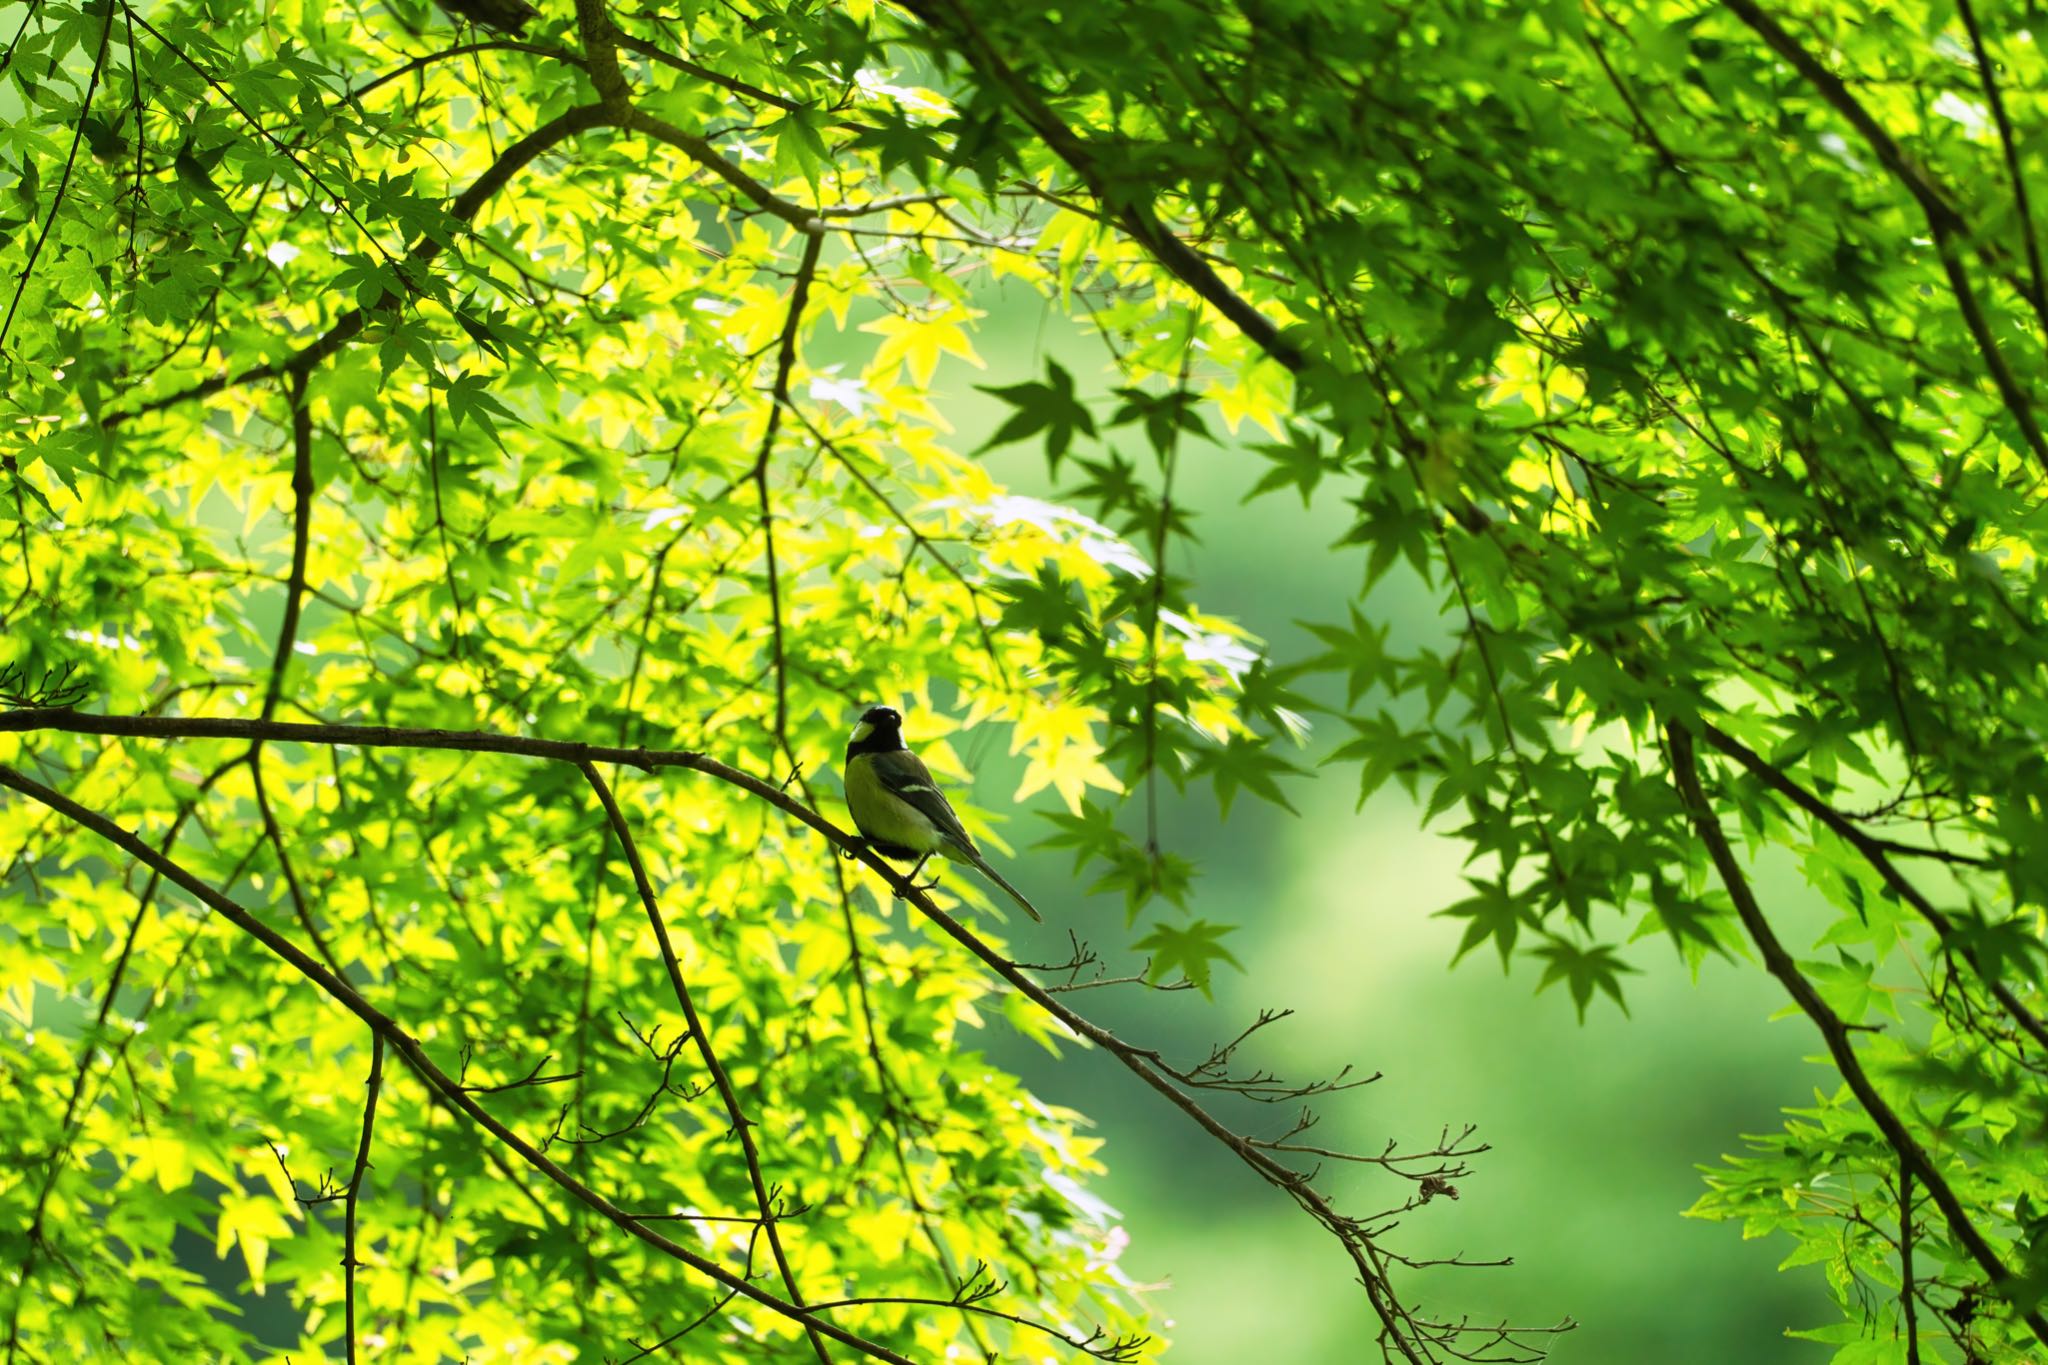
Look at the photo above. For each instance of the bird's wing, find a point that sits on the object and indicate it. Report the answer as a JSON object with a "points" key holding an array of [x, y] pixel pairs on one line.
{"points": [[906, 778]]}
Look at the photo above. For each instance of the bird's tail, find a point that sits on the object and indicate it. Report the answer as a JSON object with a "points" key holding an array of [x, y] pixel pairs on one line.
{"points": [[981, 866]]}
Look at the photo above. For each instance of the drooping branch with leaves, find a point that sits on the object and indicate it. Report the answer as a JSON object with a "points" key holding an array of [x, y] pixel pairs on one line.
{"points": [[463, 467]]}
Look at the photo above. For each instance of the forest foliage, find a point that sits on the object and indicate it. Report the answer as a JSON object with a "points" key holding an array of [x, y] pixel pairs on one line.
{"points": [[463, 467]]}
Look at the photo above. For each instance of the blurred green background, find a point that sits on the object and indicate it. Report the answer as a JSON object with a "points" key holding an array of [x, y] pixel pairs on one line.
{"points": [[1596, 1129]]}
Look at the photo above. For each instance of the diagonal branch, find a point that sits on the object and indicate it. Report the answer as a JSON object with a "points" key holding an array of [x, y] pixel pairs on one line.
{"points": [[742, 1126], [2008, 142], [214, 84], [1133, 210], [1945, 223], [1912, 1156], [1877, 852], [1403, 1331], [92, 85], [701, 151], [661, 56], [421, 63], [408, 1047]]}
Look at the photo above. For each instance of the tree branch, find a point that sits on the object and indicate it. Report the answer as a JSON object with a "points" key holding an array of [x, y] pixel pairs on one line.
{"points": [[2008, 143], [35, 250], [1912, 1156], [416, 1057], [1944, 222], [355, 1185], [778, 399], [1401, 1328], [742, 1126], [1133, 210], [1876, 852]]}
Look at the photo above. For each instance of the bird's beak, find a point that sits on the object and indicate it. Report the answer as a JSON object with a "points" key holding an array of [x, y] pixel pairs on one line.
{"points": [[862, 731]]}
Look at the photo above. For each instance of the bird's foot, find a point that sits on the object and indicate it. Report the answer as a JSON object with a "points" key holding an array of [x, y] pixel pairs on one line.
{"points": [[853, 848]]}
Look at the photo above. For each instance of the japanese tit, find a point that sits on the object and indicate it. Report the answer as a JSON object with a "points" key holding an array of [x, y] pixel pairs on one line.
{"points": [[898, 807]]}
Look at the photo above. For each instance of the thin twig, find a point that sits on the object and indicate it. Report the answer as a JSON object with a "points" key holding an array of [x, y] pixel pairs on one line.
{"points": [[778, 399], [92, 86], [742, 1126], [349, 1262]]}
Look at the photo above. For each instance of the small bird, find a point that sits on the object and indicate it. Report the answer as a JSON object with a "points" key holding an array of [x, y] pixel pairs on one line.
{"points": [[898, 807]]}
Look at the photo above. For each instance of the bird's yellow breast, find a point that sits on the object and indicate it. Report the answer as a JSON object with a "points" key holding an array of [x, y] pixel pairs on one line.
{"points": [[883, 816]]}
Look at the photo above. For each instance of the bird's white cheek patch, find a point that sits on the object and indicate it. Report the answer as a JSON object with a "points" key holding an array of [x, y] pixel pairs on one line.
{"points": [[862, 731]]}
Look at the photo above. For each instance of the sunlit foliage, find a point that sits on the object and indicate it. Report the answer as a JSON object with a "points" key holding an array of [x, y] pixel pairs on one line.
{"points": [[571, 381]]}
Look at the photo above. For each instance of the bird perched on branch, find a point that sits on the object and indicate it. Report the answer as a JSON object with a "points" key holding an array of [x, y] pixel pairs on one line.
{"points": [[898, 807]]}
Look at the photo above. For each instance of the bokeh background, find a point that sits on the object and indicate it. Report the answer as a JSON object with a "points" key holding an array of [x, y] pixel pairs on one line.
{"points": [[1597, 1128]]}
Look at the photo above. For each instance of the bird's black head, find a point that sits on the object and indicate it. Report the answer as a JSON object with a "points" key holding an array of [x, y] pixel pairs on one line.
{"points": [[880, 731]]}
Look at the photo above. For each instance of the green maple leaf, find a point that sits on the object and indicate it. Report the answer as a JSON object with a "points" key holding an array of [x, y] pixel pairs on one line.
{"points": [[1189, 949], [1050, 407], [1584, 970], [1360, 652], [1300, 461], [1245, 762]]}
